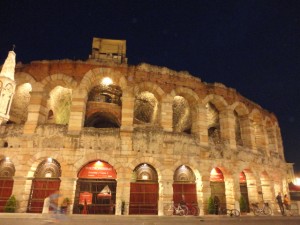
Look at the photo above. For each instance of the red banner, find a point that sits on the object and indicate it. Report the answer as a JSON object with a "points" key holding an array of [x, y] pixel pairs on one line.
{"points": [[85, 196], [98, 170]]}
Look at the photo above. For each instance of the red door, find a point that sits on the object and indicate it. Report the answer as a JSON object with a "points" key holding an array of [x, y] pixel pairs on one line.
{"points": [[143, 198], [185, 193], [6, 186], [41, 189]]}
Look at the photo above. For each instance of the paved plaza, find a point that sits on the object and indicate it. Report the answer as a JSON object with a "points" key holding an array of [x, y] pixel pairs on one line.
{"points": [[38, 219]]}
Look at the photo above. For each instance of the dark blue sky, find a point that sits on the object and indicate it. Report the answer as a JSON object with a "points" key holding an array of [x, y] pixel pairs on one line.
{"points": [[252, 46]]}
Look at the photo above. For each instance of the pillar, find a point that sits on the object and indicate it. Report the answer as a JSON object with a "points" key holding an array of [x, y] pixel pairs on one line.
{"points": [[21, 190], [202, 125], [227, 125], [127, 122], [123, 190], [167, 113], [247, 132], [77, 112], [37, 111]]}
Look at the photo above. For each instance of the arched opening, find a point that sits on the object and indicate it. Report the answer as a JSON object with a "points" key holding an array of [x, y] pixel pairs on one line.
{"points": [[258, 128], [144, 191], [7, 171], [104, 104], [182, 118], [45, 182], [59, 105], [213, 123], [238, 131], [96, 189], [217, 186], [244, 190], [271, 144], [184, 187], [20, 103], [145, 108], [102, 120]]}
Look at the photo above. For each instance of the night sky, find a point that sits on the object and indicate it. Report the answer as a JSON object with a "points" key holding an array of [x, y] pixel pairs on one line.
{"points": [[252, 46]]}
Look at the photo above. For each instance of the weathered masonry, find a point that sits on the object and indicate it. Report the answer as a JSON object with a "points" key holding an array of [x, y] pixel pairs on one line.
{"points": [[120, 137]]}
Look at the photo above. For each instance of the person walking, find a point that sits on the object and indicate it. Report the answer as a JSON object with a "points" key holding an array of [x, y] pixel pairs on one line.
{"points": [[287, 204], [280, 203]]}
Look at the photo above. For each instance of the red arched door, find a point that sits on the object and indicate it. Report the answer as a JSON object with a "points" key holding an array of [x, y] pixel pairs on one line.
{"points": [[46, 181], [7, 171], [184, 187], [96, 189], [144, 191]]}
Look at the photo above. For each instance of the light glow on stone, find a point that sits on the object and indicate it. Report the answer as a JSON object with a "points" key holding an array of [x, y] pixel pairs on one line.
{"points": [[106, 81]]}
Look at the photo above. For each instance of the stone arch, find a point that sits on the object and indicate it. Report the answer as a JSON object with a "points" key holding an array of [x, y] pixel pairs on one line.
{"points": [[96, 156], [54, 80], [150, 87], [185, 116], [215, 107], [155, 163], [147, 103], [256, 122], [217, 100], [7, 168], [94, 76], [241, 123], [21, 78], [270, 137], [58, 94], [240, 108], [107, 98]]}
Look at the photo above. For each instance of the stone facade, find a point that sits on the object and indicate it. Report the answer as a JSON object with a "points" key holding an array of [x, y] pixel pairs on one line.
{"points": [[164, 118]]}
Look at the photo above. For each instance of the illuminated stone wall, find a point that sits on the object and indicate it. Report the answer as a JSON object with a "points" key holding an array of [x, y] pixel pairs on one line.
{"points": [[167, 119]]}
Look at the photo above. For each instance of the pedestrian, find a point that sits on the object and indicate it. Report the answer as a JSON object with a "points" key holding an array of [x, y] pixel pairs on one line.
{"points": [[280, 203], [216, 204], [287, 204], [53, 206]]}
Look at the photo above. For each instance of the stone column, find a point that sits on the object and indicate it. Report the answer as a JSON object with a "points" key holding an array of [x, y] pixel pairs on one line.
{"points": [[247, 132], [227, 126], [37, 111], [21, 190], [205, 193], [235, 192], [165, 194], [123, 191], [77, 112], [127, 123], [202, 125], [167, 113]]}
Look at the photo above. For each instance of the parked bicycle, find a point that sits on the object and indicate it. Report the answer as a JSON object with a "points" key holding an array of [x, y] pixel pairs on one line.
{"points": [[193, 209], [230, 212], [172, 209], [259, 211]]}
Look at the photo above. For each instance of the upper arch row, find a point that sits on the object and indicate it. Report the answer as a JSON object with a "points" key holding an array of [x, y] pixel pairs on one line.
{"points": [[242, 105]]}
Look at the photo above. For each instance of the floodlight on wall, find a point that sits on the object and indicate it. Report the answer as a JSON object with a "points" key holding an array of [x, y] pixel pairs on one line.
{"points": [[297, 181], [7, 159], [106, 81], [49, 160]]}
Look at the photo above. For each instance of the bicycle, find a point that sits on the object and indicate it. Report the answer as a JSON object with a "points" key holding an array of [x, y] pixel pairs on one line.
{"points": [[258, 211], [193, 209], [230, 212], [171, 209]]}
